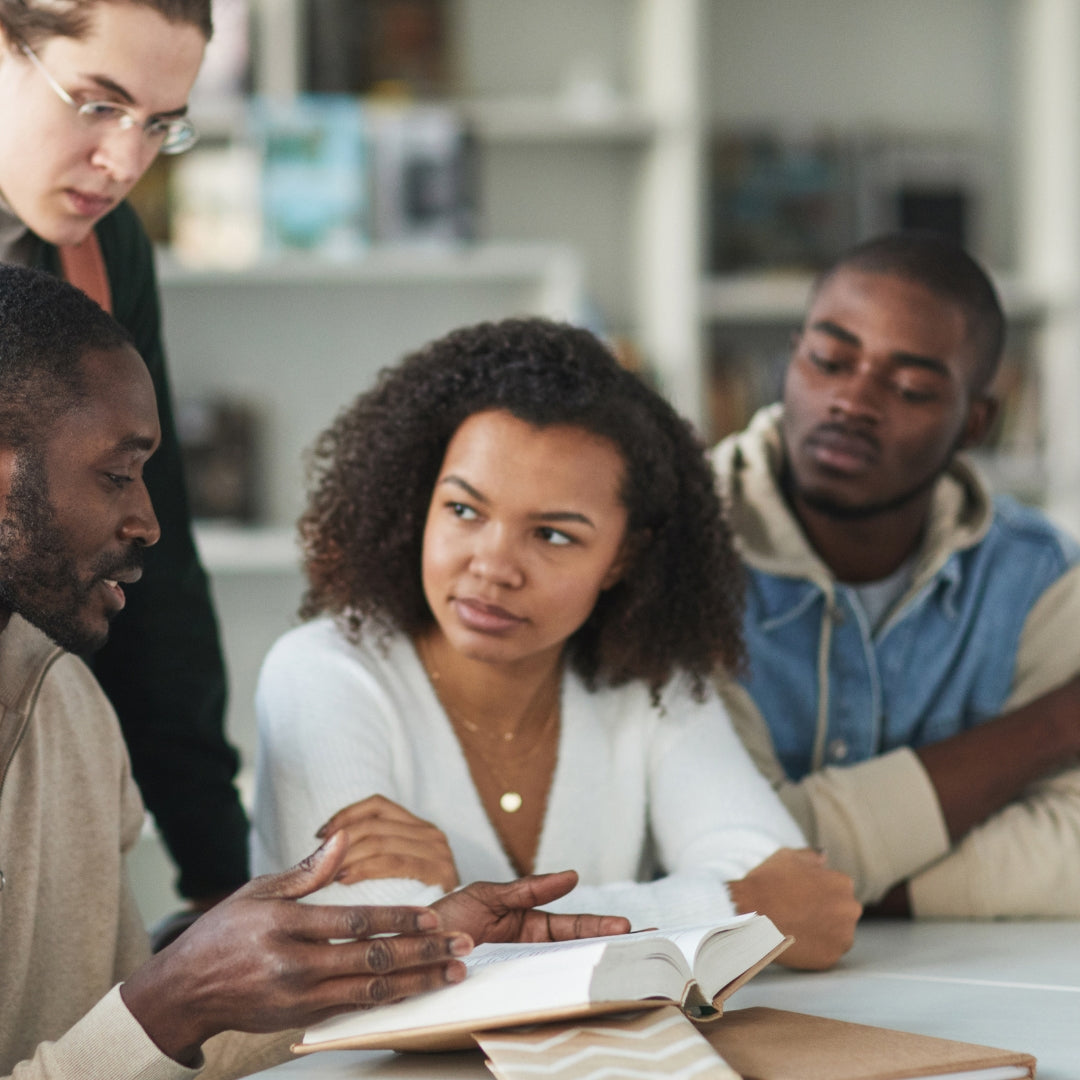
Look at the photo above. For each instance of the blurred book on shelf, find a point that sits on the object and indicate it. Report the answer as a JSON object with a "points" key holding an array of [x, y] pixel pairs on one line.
{"points": [[219, 449], [1017, 427], [151, 198], [779, 201], [936, 184], [745, 372], [216, 210], [314, 173], [327, 174], [397, 48], [423, 179]]}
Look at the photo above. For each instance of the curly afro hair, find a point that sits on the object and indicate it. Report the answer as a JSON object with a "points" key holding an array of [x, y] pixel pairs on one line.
{"points": [[678, 606]]}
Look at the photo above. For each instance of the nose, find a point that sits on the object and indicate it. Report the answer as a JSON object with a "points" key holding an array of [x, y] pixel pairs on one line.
{"points": [[124, 153], [858, 397], [140, 524], [494, 559]]}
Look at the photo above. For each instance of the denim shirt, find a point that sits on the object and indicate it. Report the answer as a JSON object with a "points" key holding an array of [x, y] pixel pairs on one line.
{"points": [[941, 662]]}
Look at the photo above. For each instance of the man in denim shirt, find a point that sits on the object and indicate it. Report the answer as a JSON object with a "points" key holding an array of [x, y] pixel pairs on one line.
{"points": [[914, 645]]}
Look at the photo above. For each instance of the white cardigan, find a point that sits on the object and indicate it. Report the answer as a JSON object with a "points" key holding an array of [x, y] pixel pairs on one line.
{"points": [[638, 791]]}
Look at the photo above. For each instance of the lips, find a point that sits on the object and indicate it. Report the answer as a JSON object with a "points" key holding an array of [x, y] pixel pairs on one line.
{"points": [[113, 586], [842, 449], [485, 618], [89, 205]]}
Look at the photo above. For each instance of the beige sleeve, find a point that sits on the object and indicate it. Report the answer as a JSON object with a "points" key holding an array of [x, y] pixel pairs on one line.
{"points": [[878, 821], [1025, 860]]}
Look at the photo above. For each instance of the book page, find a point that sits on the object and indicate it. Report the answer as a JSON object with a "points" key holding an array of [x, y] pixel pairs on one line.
{"points": [[689, 938], [522, 979]]}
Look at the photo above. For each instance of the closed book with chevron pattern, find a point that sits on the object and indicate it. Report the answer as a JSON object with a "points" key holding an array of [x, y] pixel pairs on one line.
{"points": [[627, 1046], [695, 968]]}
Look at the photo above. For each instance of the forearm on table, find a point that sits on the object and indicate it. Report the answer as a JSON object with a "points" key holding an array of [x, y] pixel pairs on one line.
{"points": [[978, 772], [1020, 863]]}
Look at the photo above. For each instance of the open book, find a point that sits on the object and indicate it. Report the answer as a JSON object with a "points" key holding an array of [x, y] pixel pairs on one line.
{"points": [[695, 968]]}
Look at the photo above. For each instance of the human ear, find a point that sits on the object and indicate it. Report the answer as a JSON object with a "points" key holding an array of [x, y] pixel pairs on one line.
{"points": [[980, 419]]}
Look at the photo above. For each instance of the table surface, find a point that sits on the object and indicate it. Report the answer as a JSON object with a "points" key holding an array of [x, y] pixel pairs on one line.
{"points": [[1009, 984]]}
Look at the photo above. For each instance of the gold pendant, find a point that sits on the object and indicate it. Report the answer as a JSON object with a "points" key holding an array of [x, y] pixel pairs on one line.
{"points": [[510, 801]]}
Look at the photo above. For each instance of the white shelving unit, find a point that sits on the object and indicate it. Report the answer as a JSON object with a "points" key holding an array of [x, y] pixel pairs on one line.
{"points": [[1000, 74], [592, 118]]}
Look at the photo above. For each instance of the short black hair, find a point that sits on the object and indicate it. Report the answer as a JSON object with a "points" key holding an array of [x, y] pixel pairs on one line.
{"points": [[46, 328], [945, 269], [678, 606]]}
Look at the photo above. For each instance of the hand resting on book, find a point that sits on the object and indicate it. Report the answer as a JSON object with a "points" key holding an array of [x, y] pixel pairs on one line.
{"points": [[488, 912], [261, 962], [805, 899]]}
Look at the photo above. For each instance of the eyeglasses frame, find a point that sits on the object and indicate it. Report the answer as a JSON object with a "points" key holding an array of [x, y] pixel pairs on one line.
{"points": [[187, 138]]}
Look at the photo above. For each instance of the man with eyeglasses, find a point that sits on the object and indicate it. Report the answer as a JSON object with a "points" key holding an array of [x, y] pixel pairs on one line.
{"points": [[91, 91]]}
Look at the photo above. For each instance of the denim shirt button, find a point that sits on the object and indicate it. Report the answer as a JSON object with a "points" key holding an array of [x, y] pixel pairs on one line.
{"points": [[837, 750]]}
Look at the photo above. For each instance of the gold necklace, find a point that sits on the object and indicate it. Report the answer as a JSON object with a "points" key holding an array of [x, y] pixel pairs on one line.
{"points": [[511, 800]]}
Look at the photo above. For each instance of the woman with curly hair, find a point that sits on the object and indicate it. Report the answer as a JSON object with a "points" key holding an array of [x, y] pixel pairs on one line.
{"points": [[520, 586]]}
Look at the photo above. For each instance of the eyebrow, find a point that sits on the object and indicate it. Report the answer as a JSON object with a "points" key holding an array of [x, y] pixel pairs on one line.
{"points": [[903, 358], [547, 516], [114, 87], [135, 443]]}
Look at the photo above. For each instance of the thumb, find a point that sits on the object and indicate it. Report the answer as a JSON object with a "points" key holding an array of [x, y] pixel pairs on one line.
{"points": [[536, 889], [307, 876]]}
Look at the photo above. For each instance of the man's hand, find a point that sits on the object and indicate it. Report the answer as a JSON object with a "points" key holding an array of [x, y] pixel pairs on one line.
{"points": [[385, 841], [805, 899], [489, 912], [259, 961]]}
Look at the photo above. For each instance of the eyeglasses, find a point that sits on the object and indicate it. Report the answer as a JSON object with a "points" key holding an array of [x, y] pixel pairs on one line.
{"points": [[173, 135]]}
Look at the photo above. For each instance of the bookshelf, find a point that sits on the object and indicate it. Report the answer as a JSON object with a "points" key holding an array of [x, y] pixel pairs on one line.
{"points": [[994, 75], [593, 123]]}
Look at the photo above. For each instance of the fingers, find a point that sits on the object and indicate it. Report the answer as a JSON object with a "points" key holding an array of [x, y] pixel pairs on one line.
{"points": [[570, 927], [374, 806], [362, 992], [307, 876], [317, 923], [531, 891], [393, 865], [383, 955], [385, 848]]}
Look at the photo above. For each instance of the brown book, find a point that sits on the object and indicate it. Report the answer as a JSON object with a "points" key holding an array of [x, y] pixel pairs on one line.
{"points": [[696, 968], [773, 1044]]}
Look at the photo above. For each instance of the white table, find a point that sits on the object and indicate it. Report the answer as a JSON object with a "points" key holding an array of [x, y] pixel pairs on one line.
{"points": [[1015, 985]]}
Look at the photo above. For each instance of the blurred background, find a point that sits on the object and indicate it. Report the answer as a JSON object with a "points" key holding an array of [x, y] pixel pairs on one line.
{"points": [[670, 173]]}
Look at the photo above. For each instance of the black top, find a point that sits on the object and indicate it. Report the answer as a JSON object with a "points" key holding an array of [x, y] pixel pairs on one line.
{"points": [[162, 667]]}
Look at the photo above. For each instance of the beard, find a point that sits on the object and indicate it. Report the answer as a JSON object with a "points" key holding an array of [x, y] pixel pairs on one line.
{"points": [[39, 579], [839, 511], [865, 511]]}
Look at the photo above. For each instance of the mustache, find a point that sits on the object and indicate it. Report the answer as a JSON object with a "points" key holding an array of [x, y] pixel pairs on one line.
{"points": [[847, 431], [132, 559]]}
